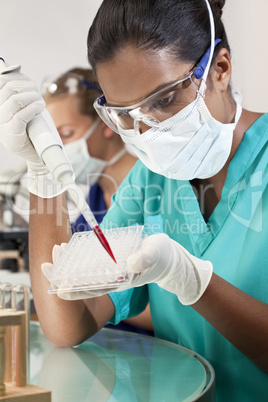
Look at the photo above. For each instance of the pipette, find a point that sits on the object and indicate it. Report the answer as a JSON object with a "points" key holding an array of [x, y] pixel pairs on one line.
{"points": [[49, 148]]}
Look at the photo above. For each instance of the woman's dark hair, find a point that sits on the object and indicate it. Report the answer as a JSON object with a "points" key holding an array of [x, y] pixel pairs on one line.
{"points": [[181, 26]]}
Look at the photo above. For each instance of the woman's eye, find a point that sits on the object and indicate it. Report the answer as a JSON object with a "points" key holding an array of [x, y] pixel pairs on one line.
{"points": [[165, 101], [66, 132]]}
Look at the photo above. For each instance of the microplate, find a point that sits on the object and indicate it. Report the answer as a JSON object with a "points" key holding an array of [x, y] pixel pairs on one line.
{"points": [[85, 265]]}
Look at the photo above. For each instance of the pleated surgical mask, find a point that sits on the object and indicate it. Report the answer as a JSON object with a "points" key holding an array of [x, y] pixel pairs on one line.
{"points": [[88, 169], [191, 144]]}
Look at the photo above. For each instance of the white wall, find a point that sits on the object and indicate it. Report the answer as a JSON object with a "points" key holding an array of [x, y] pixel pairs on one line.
{"points": [[49, 36], [246, 26]]}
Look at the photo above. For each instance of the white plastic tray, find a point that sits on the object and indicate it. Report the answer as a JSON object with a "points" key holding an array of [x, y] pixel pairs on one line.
{"points": [[85, 265]]}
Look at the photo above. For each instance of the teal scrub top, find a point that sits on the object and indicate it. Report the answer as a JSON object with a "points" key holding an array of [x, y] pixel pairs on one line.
{"points": [[234, 239]]}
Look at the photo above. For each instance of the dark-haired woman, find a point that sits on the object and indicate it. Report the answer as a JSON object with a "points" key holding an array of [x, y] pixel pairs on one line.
{"points": [[200, 189]]}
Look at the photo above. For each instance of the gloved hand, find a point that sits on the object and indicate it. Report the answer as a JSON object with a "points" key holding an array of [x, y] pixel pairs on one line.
{"points": [[160, 260], [163, 261], [20, 102]]}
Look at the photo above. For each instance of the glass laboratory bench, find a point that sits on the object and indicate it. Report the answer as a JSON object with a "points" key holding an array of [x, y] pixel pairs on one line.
{"points": [[119, 366]]}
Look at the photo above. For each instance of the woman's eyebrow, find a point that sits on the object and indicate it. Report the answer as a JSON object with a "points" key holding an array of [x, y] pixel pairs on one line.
{"points": [[161, 86]]}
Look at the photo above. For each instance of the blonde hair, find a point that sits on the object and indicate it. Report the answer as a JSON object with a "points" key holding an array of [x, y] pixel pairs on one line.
{"points": [[87, 89]]}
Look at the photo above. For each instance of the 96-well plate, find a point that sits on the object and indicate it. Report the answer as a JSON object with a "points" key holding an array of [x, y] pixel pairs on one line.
{"points": [[85, 265]]}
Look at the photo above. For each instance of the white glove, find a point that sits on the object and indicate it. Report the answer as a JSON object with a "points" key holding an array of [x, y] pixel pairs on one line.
{"points": [[20, 102], [163, 261], [160, 260]]}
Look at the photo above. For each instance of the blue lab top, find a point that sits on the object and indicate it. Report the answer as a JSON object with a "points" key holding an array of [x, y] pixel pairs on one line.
{"points": [[234, 239], [97, 205]]}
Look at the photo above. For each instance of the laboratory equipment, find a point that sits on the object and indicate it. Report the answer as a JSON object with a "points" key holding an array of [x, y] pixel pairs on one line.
{"points": [[51, 153], [14, 340], [14, 254], [82, 266]]}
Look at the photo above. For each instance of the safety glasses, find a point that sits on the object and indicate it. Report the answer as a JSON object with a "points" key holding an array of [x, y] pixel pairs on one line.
{"points": [[154, 109], [70, 83], [159, 106]]}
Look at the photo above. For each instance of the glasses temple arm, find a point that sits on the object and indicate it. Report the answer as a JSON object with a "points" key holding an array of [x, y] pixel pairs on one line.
{"points": [[201, 66]]}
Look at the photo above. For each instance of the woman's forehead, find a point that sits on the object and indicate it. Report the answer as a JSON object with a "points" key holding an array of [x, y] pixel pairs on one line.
{"points": [[135, 73]]}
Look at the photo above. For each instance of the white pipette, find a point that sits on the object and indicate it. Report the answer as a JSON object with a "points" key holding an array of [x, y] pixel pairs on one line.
{"points": [[51, 152]]}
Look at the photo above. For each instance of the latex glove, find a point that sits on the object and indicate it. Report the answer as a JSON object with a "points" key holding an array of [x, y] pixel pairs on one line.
{"points": [[163, 261], [20, 102], [47, 269]]}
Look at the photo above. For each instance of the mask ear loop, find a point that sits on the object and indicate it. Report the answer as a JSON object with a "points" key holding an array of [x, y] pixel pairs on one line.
{"points": [[209, 52], [91, 129]]}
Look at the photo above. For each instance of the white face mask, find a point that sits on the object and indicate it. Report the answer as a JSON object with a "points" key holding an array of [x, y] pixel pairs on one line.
{"points": [[190, 144], [88, 169]]}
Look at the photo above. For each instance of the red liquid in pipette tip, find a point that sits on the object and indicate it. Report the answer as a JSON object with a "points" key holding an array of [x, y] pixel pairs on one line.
{"points": [[97, 230]]}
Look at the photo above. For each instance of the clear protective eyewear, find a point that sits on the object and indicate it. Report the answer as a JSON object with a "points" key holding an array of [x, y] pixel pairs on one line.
{"points": [[157, 107], [70, 83]]}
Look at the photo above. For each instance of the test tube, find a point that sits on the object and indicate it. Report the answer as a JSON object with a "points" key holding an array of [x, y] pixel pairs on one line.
{"points": [[20, 341], [6, 303]]}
